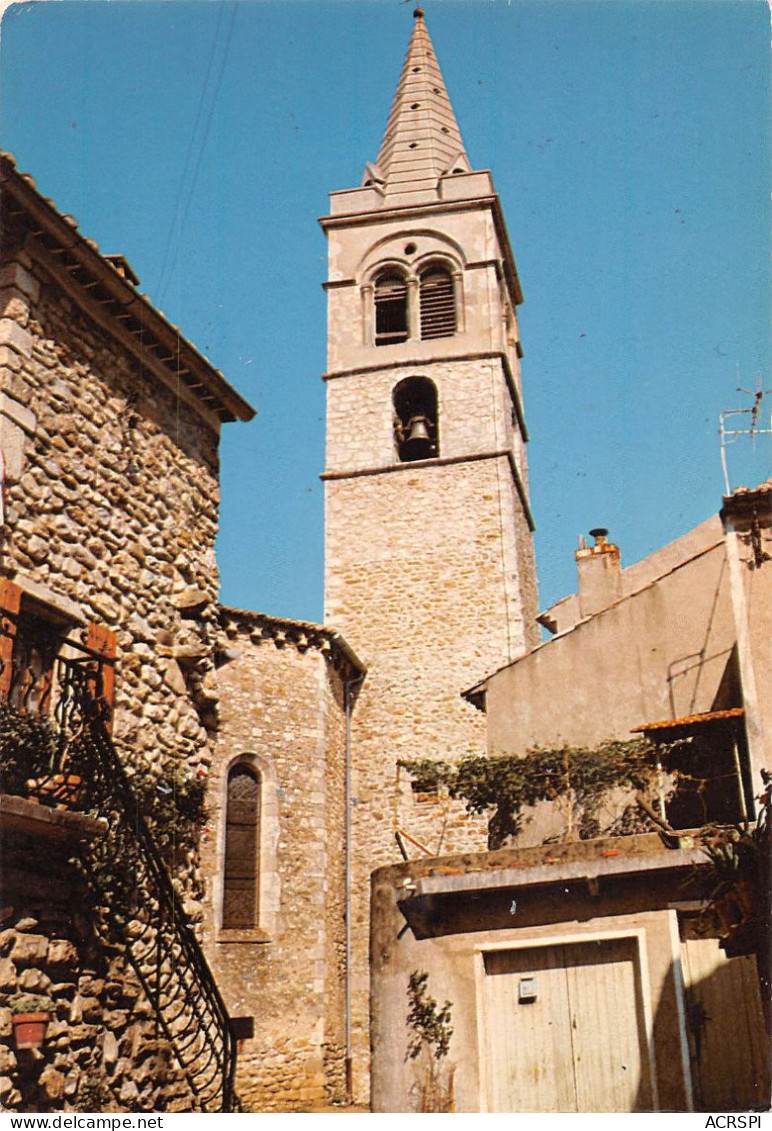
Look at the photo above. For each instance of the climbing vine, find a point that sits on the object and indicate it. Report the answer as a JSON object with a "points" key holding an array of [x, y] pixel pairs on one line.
{"points": [[580, 778]]}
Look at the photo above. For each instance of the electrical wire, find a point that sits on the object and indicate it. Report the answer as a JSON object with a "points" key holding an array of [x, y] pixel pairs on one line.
{"points": [[179, 221]]}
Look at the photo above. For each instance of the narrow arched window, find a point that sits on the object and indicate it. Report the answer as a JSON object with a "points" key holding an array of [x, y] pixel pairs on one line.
{"points": [[437, 303], [390, 309], [416, 423], [242, 844]]}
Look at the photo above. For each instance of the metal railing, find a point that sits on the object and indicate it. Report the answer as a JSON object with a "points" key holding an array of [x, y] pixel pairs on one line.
{"points": [[135, 902]]}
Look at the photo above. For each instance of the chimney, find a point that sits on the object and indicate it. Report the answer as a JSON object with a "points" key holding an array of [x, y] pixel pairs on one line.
{"points": [[600, 573]]}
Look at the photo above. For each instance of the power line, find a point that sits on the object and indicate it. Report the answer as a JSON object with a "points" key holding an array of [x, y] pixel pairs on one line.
{"points": [[178, 222]]}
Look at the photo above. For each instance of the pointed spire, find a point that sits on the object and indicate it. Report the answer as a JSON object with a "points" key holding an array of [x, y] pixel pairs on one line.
{"points": [[422, 139]]}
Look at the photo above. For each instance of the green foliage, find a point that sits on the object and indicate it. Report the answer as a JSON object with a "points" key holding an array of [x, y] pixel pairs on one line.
{"points": [[740, 853], [94, 1095], [581, 777], [429, 1040], [173, 806], [28, 747], [30, 1003], [430, 1025]]}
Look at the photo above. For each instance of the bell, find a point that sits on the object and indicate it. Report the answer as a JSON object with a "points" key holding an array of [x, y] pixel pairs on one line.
{"points": [[418, 442]]}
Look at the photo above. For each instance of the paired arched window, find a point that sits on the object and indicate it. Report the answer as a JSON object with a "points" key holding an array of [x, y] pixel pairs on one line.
{"points": [[241, 886], [436, 316], [390, 309], [437, 303], [416, 423]]}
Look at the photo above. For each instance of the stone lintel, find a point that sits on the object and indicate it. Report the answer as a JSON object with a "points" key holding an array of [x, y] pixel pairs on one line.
{"points": [[62, 607]]}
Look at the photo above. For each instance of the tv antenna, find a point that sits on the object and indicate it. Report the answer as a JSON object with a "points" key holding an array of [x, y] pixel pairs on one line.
{"points": [[729, 435]]}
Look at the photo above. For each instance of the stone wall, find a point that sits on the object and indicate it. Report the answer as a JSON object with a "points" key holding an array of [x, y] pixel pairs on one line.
{"points": [[102, 1050], [111, 505], [283, 714], [109, 515]]}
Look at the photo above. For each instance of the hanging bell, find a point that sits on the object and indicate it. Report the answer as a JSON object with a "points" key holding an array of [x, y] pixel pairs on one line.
{"points": [[418, 442]]}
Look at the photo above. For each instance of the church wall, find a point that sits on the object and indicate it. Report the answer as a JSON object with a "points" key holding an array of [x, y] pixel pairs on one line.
{"points": [[282, 710], [473, 410], [416, 582], [356, 252]]}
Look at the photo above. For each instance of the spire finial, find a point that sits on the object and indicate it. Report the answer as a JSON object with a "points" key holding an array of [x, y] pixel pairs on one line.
{"points": [[419, 14]]}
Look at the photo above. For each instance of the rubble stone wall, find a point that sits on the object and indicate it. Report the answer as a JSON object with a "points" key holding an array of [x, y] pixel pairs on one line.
{"points": [[111, 506], [102, 1051]]}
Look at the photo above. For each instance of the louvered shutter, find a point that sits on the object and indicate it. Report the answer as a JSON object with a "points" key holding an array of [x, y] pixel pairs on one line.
{"points": [[438, 307]]}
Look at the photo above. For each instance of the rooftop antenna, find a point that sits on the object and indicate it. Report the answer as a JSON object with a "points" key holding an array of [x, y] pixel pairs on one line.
{"points": [[729, 435]]}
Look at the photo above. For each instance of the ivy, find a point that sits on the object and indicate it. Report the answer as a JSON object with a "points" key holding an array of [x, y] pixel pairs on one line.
{"points": [[582, 778]]}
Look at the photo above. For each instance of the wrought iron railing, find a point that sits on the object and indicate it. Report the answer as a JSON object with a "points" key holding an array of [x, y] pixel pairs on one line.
{"points": [[134, 899]]}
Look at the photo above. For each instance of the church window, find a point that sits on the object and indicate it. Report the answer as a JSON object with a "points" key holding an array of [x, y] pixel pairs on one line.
{"points": [[416, 429], [242, 846], [437, 303], [390, 309]]}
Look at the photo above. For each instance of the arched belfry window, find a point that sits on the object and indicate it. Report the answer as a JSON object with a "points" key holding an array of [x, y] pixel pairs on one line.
{"points": [[390, 309], [437, 303], [242, 847], [416, 424]]}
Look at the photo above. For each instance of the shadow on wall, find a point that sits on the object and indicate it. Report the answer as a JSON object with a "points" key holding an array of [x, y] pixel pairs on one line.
{"points": [[728, 1045]]}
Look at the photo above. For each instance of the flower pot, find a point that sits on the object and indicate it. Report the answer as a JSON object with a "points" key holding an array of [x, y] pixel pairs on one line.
{"points": [[62, 790], [29, 1029]]}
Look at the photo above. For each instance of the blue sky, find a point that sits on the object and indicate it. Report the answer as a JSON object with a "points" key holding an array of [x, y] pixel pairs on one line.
{"points": [[629, 142]]}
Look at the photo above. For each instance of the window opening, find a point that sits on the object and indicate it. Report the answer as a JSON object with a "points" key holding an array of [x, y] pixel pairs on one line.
{"points": [[416, 420], [242, 834], [35, 650], [437, 304], [390, 310]]}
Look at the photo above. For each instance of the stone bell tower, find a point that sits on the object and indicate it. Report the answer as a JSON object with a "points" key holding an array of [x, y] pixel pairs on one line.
{"points": [[429, 567]]}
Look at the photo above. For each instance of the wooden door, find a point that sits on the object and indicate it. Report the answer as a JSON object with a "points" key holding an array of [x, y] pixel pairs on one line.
{"points": [[727, 1040], [580, 1044]]}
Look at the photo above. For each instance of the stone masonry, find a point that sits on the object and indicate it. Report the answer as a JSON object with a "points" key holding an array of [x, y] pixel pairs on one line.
{"points": [[283, 713], [109, 427], [429, 566]]}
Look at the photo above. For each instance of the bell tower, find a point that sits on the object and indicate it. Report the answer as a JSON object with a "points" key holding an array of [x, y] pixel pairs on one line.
{"points": [[429, 569]]}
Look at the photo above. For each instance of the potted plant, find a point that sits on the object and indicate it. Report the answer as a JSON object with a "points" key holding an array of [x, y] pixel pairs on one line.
{"points": [[30, 1015]]}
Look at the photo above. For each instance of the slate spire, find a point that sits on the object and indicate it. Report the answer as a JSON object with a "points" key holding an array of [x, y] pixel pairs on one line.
{"points": [[422, 139]]}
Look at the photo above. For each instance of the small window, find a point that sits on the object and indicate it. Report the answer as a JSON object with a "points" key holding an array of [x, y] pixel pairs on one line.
{"points": [[390, 310], [416, 428], [242, 845], [35, 650], [437, 303]]}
